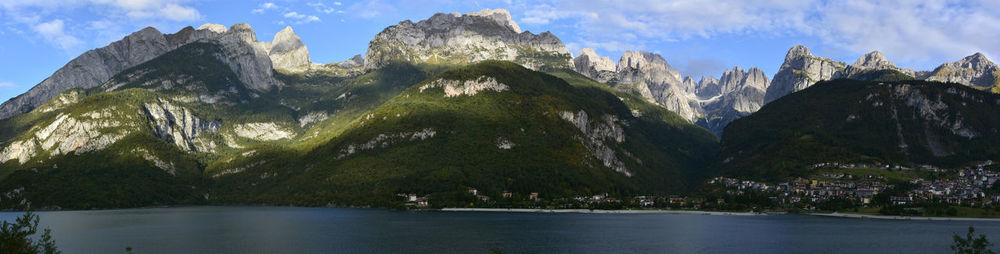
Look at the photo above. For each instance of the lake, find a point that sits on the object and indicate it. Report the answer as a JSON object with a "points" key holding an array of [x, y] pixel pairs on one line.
{"points": [[343, 230]]}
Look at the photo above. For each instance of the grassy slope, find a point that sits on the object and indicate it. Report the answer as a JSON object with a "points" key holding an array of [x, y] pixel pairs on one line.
{"points": [[547, 156]]}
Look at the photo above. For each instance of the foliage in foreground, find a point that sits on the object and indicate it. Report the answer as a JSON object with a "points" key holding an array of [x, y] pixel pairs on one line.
{"points": [[15, 238]]}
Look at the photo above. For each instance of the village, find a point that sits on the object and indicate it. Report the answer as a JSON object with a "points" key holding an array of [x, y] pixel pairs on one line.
{"points": [[970, 186], [860, 185]]}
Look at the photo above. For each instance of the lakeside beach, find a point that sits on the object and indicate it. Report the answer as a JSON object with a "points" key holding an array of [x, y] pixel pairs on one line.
{"points": [[527, 210], [890, 217]]}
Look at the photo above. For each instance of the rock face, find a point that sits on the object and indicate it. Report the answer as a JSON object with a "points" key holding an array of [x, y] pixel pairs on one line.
{"points": [[180, 126], [93, 130], [707, 87], [711, 103], [463, 39], [591, 65], [650, 75], [873, 61], [453, 88], [287, 52], [243, 53], [975, 70], [92, 68], [741, 94], [247, 57], [800, 70], [600, 136], [263, 131]]}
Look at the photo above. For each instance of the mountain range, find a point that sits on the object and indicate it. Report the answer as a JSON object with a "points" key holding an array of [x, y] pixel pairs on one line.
{"points": [[455, 102]]}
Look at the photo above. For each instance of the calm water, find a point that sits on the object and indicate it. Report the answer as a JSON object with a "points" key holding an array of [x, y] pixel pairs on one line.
{"points": [[336, 230]]}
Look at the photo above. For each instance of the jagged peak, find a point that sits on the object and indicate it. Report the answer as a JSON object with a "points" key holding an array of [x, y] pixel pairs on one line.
{"points": [[357, 58], [872, 59], [977, 57], [635, 59], [213, 27], [797, 51], [286, 39], [708, 79], [287, 31], [588, 52], [501, 16]]}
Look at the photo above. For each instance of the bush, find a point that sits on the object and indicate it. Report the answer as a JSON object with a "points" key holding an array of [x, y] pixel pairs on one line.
{"points": [[15, 238]]}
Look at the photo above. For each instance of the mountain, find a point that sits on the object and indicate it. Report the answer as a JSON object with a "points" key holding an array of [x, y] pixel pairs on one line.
{"points": [[493, 126], [710, 103], [800, 70], [250, 59], [228, 119], [601, 69], [871, 62], [459, 39], [975, 70], [908, 123], [741, 93], [96, 66]]}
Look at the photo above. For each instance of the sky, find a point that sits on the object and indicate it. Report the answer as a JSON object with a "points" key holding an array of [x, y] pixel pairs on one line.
{"points": [[698, 38]]}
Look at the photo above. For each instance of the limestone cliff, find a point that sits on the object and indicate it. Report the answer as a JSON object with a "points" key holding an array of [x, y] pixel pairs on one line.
{"points": [[466, 38]]}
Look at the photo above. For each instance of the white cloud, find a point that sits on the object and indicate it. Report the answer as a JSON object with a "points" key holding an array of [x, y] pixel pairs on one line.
{"points": [[264, 7], [372, 9], [31, 11], [180, 13], [906, 29], [5, 84], [320, 7], [301, 18], [54, 33]]}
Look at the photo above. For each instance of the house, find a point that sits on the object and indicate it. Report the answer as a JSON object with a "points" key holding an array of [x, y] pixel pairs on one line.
{"points": [[473, 191], [533, 196], [507, 194], [900, 200]]}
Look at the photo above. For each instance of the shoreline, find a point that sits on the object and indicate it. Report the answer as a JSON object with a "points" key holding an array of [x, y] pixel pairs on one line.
{"points": [[598, 211], [894, 217]]}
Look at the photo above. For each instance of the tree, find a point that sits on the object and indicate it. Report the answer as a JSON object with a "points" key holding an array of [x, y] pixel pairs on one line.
{"points": [[971, 244], [15, 238]]}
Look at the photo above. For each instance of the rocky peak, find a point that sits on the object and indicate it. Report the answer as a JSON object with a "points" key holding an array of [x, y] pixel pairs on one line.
{"points": [[871, 62], [244, 32], [874, 59], [593, 66], [796, 52], [737, 78], [356, 61], [500, 16], [647, 62], [213, 27], [800, 70], [973, 70], [464, 39], [977, 61], [91, 69], [287, 52]]}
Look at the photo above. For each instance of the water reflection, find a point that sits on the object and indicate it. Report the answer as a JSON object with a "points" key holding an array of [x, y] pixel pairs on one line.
{"points": [[326, 230]]}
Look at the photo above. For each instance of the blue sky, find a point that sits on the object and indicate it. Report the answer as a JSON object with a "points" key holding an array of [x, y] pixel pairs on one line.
{"points": [[699, 38]]}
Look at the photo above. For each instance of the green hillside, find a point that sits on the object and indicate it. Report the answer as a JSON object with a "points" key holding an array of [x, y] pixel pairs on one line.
{"points": [[906, 123], [425, 142]]}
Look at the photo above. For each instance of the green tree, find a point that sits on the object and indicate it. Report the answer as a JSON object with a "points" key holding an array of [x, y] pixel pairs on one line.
{"points": [[971, 244], [15, 238]]}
